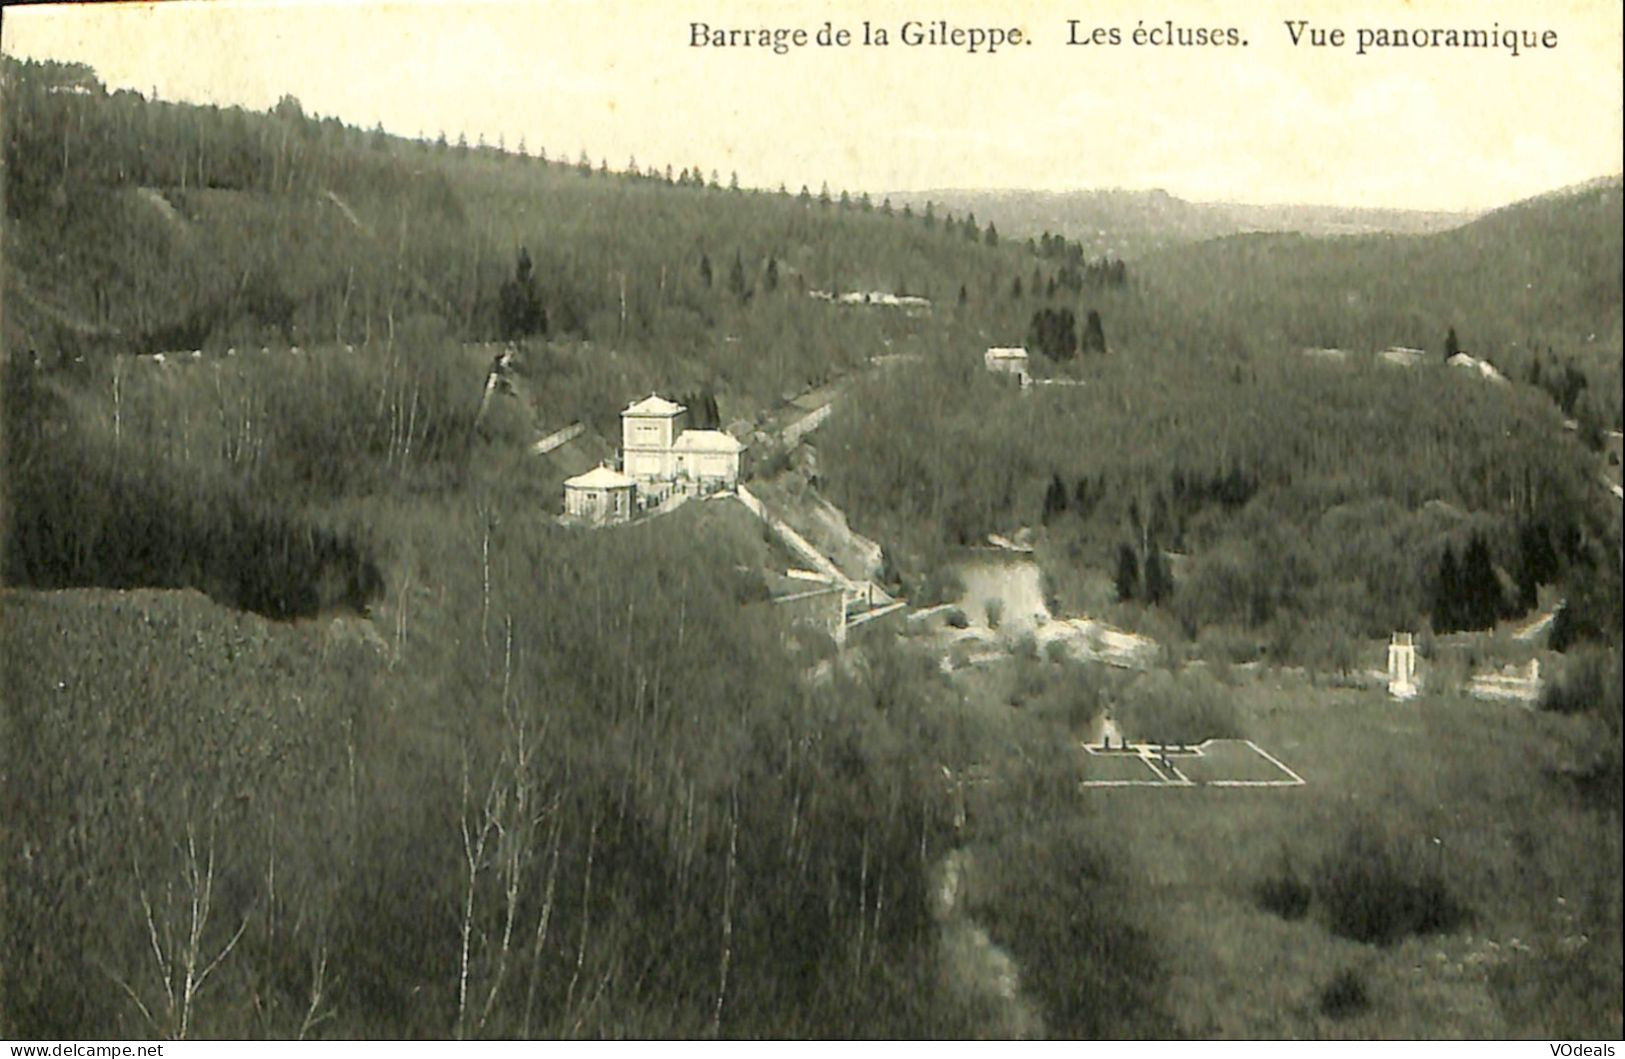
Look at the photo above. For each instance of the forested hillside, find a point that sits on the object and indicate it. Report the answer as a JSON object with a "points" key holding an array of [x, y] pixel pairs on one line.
{"points": [[140, 226], [512, 781], [1537, 279], [1241, 421], [306, 686]]}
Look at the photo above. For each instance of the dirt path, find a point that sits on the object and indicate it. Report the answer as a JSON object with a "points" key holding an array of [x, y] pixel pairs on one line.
{"points": [[1539, 624]]}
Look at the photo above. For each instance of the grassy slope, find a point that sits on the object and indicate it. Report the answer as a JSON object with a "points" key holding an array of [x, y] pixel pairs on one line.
{"points": [[1476, 776]]}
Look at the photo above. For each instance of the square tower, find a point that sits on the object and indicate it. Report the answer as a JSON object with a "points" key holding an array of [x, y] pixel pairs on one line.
{"points": [[649, 429]]}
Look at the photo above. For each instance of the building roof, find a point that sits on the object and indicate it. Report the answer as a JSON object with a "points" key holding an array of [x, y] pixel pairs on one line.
{"points": [[1003, 352], [599, 478], [707, 441], [653, 405]]}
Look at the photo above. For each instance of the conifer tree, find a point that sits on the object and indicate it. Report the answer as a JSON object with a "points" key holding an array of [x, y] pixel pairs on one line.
{"points": [[1159, 580], [519, 303], [1446, 592], [1054, 498], [1480, 589], [1094, 334], [1128, 572]]}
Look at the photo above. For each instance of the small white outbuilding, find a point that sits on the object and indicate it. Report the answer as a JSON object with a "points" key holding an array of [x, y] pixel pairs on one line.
{"points": [[602, 494]]}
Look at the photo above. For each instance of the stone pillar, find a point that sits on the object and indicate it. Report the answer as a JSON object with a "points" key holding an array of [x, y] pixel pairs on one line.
{"points": [[1402, 666]]}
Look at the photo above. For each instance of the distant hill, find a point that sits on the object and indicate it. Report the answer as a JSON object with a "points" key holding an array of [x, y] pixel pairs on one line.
{"points": [[1129, 223], [1543, 273]]}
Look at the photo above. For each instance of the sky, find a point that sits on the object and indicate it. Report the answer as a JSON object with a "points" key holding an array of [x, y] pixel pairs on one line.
{"points": [[1266, 122]]}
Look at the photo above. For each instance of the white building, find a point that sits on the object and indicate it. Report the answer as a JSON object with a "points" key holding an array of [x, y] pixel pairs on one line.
{"points": [[1009, 360], [649, 430], [656, 447], [603, 494], [710, 457]]}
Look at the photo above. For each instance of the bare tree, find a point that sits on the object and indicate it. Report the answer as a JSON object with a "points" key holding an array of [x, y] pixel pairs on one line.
{"points": [[176, 925]]}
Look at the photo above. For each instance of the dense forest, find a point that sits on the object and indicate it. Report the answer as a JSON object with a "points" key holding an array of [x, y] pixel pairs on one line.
{"points": [[1298, 496]]}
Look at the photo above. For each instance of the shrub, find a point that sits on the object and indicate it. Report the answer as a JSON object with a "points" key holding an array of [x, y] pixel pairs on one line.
{"points": [[1344, 996], [957, 619], [1375, 888], [1185, 707], [1587, 678], [940, 585], [1054, 901], [1588, 685], [995, 612], [1284, 892], [1228, 643]]}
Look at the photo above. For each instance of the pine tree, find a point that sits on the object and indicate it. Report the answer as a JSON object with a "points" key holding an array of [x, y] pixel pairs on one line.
{"points": [[1537, 562], [519, 303], [991, 237], [1480, 589], [1451, 345], [1159, 580], [1086, 495], [1128, 572], [771, 280], [1054, 498], [705, 270], [1446, 592], [1094, 334], [736, 278]]}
